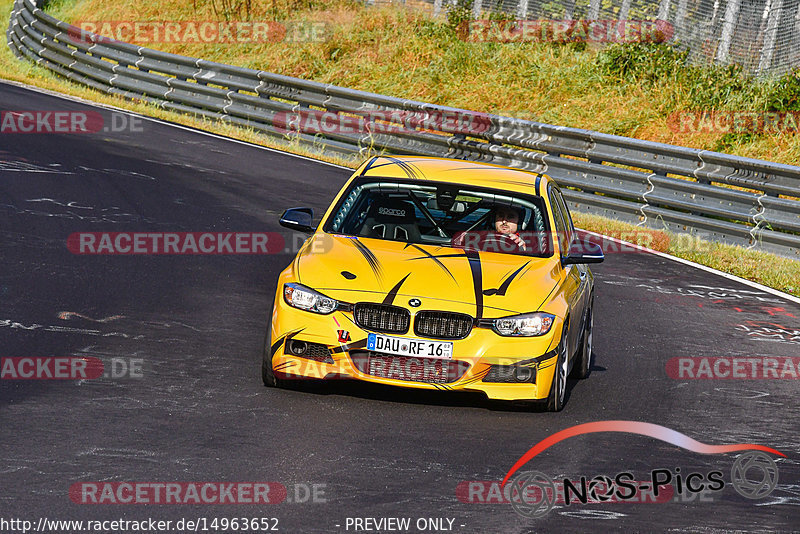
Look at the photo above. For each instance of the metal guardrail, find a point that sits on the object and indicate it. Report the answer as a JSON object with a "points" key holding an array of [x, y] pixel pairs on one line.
{"points": [[651, 184]]}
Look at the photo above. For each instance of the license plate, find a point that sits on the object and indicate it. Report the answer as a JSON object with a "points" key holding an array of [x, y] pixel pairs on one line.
{"points": [[418, 348]]}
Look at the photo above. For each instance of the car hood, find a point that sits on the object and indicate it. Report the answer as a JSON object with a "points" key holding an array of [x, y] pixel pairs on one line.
{"points": [[481, 284]]}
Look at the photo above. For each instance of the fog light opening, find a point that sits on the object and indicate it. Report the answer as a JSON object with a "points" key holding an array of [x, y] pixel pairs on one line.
{"points": [[523, 374], [298, 347]]}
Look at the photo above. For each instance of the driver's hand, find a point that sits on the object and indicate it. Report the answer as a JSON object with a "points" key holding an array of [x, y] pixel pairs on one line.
{"points": [[518, 240]]}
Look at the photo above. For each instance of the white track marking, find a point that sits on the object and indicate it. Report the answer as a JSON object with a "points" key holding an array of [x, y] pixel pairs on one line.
{"points": [[733, 277]]}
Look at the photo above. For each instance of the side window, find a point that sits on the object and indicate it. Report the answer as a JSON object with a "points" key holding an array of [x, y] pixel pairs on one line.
{"points": [[567, 216], [561, 227]]}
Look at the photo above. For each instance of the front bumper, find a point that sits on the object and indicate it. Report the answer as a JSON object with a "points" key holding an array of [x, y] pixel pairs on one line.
{"points": [[483, 355]]}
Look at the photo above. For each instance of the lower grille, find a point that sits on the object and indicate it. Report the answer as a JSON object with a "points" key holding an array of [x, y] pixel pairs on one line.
{"points": [[311, 351], [427, 370], [318, 352], [442, 325], [382, 317]]}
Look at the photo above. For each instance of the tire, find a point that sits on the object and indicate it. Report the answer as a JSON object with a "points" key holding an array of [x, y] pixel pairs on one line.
{"points": [[583, 360], [267, 374], [558, 389]]}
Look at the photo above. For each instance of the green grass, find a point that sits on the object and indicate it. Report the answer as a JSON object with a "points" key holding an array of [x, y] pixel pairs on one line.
{"points": [[623, 90]]}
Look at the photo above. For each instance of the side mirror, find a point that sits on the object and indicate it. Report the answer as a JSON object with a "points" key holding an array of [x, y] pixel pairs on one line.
{"points": [[579, 253], [300, 219]]}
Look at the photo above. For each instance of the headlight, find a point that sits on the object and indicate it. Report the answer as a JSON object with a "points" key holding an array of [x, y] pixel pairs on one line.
{"points": [[299, 296], [527, 324]]}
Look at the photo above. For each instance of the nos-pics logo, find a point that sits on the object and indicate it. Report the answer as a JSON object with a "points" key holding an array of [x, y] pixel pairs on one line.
{"points": [[532, 494]]}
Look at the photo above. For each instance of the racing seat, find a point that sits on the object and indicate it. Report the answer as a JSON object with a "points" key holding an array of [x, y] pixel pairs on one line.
{"points": [[389, 218]]}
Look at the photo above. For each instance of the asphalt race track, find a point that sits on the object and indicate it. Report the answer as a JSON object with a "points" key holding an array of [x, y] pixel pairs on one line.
{"points": [[192, 327]]}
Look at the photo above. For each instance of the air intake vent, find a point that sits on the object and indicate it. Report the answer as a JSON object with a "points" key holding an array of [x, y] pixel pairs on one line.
{"points": [[382, 317], [442, 325]]}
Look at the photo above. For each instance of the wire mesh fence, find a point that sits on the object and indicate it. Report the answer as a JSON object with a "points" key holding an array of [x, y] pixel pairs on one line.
{"points": [[763, 36]]}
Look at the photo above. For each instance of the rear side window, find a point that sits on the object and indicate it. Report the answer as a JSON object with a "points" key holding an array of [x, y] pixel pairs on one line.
{"points": [[560, 220], [562, 204], [567, 215]]}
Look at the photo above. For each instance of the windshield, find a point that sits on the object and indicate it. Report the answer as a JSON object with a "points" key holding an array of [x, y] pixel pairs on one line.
{"points": [[446, 214]]}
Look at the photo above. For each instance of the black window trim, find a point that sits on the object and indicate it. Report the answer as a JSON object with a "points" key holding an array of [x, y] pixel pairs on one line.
{"points": [[560, 208]]}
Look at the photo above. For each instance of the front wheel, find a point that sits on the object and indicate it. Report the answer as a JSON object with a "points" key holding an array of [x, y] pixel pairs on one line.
{"points": [[583, 362], [558, 390]]}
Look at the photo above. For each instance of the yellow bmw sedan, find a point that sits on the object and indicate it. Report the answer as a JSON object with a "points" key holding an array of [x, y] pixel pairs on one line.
{"points": [[439, 274]]}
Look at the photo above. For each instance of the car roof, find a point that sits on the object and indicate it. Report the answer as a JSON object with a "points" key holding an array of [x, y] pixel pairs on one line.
{"points": [[456, 171]]}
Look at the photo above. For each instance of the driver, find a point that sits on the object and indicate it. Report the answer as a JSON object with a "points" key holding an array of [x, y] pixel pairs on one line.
{"points": [[506, 222]]}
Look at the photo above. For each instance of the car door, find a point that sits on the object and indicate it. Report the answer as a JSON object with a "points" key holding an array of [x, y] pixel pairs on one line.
{"points": [[575, 275]]}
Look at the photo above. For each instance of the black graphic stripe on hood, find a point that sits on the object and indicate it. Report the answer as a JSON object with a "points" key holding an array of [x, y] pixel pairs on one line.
{"points": [[474, 266], [374, 264], [504, 285], [477, 277], [389, 299], [434, 258], [477, 280]]}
